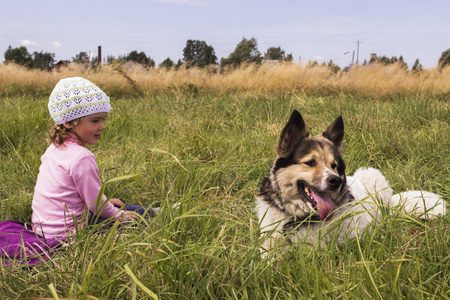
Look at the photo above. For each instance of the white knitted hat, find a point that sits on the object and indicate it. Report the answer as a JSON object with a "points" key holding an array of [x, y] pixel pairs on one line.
{"points": [[76, 97]]}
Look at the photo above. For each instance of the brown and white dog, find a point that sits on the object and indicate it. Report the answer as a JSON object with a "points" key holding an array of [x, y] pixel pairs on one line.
{"points": [[308, 196]]}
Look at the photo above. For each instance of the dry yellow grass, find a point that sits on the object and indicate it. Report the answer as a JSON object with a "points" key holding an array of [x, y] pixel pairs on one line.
{"points": [[373, 80]]}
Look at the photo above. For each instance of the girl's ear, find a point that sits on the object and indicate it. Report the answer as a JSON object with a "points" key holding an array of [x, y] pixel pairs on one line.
{"points": [[68, 125]]}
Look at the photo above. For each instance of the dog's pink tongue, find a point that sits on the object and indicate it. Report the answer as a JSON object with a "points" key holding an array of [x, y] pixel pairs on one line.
{"points": [[324, 205]]}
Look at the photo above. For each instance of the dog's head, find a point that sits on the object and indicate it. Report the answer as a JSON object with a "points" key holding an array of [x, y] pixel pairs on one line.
{"points": [[311, 169]]}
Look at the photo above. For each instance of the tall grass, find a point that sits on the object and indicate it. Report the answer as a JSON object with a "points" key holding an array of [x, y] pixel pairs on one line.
{"points": [[375, 81], [224, 145]]}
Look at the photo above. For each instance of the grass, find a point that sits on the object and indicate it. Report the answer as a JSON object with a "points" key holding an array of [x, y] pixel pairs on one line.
{"points": [[209, 247], [372, 81]]}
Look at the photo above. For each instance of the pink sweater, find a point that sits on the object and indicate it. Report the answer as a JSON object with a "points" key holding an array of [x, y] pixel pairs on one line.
{"points": [[67, 187]]}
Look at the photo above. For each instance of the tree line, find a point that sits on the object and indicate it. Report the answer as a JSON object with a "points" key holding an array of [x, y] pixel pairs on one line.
{"points": [[197, 54]]}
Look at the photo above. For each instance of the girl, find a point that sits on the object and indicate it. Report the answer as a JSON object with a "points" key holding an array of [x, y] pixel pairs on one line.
{"points": [[68, 183]]}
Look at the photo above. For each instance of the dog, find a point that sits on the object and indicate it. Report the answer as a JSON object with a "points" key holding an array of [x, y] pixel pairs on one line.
{"points": [[309, 198]]}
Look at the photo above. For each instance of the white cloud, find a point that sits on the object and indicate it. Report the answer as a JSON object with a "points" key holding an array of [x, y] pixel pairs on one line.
{"points": [[28, 43], [318, 58], [56, 45]]}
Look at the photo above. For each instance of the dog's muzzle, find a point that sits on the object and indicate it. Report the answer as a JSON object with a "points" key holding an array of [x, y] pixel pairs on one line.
{"points": [[334, 182]]}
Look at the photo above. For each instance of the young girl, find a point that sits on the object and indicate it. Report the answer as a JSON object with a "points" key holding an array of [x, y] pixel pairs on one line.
{"points": [[68, 183]]}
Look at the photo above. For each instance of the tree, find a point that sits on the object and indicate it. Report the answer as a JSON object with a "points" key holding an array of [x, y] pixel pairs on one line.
{"points": [[140, 58], [110, 59], [84, 59], [20, 56], [246, 52], [417, 67], [333, 67], [39, 60], [312, 64], [389, 61], [289, 57], [94, 62], [179, 64], [42, 60], [167, 63], [81, 58], [444, 60], [277, 54], [401, 62], [198, 54]]}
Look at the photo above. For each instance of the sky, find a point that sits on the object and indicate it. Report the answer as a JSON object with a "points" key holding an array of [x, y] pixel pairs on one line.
{"points": [[314, 30]]}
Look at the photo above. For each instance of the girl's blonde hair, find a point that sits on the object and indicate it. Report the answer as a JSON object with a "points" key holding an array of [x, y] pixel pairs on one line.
{"points": [[60, 133]]}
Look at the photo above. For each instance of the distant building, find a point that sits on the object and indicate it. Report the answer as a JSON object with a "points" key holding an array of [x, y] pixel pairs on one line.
{"points": [[134, 67], [65, 64], [59, 65]]}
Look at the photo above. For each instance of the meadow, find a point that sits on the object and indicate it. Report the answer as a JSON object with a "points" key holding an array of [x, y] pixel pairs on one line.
{"points": [[206, 140]]}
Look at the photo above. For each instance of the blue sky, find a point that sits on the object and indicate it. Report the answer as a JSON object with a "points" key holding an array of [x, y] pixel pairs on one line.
{"points": [[319, 30]]}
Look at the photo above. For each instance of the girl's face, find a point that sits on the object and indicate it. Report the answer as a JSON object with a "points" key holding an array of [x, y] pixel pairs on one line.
{"points": [[89, 128]]}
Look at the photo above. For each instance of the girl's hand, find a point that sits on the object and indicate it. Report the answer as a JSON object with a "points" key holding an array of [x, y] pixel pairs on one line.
{"points": [[117, 203], [130, 216]]}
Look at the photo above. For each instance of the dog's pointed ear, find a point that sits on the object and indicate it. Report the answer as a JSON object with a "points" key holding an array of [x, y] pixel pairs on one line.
{"points": [[335, 132], [294, 131]]}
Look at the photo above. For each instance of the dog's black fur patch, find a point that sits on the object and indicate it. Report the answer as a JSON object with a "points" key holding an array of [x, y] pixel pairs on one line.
{"points": [[268, 194]]}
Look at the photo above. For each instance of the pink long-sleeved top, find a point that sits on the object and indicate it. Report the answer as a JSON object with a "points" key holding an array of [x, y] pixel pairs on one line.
{"points": [[67, 187]]}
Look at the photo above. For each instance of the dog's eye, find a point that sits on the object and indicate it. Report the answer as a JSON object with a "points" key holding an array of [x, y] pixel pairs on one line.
{"points": [[311, 162], [333, 166]]}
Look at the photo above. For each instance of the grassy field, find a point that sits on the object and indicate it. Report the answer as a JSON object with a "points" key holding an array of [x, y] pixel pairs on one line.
{"points": [[372, 81], [209, 148]]}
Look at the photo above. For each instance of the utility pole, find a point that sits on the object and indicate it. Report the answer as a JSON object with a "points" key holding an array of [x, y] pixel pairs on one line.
{"points": [[357, 51]]}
